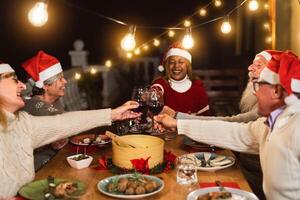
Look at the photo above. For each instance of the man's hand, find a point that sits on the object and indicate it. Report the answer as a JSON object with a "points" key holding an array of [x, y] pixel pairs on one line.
{"points": [[169, 111], [124, 111]]}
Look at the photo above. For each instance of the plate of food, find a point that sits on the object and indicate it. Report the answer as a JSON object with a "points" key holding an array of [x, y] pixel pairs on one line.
{"points": [[214, 193], [53, 189], [130, 186], [207, 161], [90, 139], [199, 146]]}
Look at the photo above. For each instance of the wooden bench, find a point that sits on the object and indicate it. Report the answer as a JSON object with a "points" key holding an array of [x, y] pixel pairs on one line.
{"points": [[224, 88]]}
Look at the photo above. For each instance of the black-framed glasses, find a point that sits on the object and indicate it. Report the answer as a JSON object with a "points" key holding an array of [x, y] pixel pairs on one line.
{"points": [[256, 85], [12, 74]]}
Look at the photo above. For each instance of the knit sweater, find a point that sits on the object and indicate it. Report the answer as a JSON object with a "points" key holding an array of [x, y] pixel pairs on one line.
{"points": [[26, 132], [279, 149]]}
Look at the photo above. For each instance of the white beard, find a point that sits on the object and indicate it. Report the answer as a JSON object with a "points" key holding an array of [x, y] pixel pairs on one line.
{"points": [[248, 101]]}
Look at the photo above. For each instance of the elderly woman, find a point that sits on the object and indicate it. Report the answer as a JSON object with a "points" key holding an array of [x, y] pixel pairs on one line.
{"points": [[21, 133], [181, 91]]}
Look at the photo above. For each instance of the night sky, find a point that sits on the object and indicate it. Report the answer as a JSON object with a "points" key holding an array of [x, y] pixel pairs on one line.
{"points": [[68, 21]]}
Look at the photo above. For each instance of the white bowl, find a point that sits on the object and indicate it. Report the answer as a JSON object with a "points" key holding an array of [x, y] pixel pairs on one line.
{"points": [[80, 164]]}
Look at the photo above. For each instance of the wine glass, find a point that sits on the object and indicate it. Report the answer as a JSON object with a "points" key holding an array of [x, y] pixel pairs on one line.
{"points": [[155, 105], [186, 170], [140, 95]]}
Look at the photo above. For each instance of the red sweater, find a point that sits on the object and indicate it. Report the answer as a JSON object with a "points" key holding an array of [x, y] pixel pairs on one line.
{"points": [[191, 101]]}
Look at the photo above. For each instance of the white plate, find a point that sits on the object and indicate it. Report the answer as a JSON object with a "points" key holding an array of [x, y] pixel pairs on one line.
{"points": [[102, 185], [236, 193], [207, 161]]}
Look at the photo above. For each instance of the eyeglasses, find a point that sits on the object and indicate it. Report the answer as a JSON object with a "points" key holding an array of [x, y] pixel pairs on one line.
{"points": [[256, 85], [13, 75]]}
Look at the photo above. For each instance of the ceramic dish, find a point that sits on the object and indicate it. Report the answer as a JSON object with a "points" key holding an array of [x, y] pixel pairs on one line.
{"points": [[90, 139]]}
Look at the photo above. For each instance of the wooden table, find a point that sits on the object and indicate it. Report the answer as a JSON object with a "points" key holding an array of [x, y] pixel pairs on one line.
{"points": [[58, 167]]}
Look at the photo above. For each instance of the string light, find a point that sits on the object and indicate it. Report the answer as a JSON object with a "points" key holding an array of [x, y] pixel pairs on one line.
{"points": [[218, 3], [156, 42], [266, 25], [137, 51], [203, 12], [77, 76], [108, 63], [128, 42], [187, 23], [38, 14], [268, 39], [266, 6], [187, 41], [93, 70], [253, 5], [129, 55], [145, 47], [171, 33], [226, 26]]}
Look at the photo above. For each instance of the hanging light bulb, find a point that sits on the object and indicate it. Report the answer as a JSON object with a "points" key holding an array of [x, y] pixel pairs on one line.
{"points": [[108, 63], [171, 33], [253, 5], [266, 6], [93, 70], [202, 12], [38, 14], [137, 51], [129, 55], [128, 42], [187, 23], [77, 76], [268, 39], [226, 27], [266, 25], [187, 41], [218, 3], [156, 42]]}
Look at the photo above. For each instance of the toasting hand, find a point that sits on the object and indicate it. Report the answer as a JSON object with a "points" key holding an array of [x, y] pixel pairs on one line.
{"points": [[164, 121], [124, 111]]}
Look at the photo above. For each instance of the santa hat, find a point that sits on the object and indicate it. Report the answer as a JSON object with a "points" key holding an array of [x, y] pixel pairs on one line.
{"points": [[270, 73], [42, 67], [5, 68], [176, 49]]}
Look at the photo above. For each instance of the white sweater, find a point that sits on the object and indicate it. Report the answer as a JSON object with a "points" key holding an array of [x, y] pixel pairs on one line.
{"points": [[26, 132], [279, 149]]}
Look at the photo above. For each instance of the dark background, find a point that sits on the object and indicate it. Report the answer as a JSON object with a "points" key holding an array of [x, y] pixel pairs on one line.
{"points": [[69, 20]]}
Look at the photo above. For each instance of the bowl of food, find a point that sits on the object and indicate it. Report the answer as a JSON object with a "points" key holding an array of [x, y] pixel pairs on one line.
{"points": [[80, 161]]}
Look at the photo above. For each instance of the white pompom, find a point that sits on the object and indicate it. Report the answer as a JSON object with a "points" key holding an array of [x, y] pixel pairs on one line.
{"points": [[160, 68], [291, 99]]}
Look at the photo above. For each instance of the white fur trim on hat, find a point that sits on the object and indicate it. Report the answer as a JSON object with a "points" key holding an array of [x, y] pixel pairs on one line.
{"points": [[179, 52], [264, 54], [295, 85], [4, 68], [291, 99], [269, 76], [50, 71]]}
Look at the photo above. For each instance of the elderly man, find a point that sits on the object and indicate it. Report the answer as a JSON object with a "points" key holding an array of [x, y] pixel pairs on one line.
{"points": [[274, 136]]}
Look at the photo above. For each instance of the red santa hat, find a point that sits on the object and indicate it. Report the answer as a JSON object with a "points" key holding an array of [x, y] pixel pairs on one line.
{"points": [[176, 49], [42, 67], [5, 68]]}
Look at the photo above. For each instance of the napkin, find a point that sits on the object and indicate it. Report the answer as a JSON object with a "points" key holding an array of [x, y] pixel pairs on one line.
{"points": [[225, 184], [81, 149]]}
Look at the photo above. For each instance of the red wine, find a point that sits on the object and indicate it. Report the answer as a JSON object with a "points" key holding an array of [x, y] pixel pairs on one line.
{"points": [[143, 108], [155, 107]]}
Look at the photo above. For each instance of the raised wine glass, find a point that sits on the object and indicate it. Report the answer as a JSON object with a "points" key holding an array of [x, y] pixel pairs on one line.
{"points": [[155, 105], [141, 96]]}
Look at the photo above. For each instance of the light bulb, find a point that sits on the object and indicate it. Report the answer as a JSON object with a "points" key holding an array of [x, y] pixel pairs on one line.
{"points": [[171, 33], [128, 42], [156, 42], [77, 76], [225, 27], [38, 15], [145, 47], [93, 70], [137, 51], [108, 63], [218, 3], [267, 25], [268, 39], [187, 23], [129, 55], [266, 6], [187, 41], [253, 5], [203, 12]]}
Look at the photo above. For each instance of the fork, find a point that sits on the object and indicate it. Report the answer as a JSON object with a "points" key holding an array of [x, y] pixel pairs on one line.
{"points": [[220, 185]]}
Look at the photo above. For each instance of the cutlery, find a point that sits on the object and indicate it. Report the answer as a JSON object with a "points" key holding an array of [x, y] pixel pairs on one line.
{"points": [[220, 185]]}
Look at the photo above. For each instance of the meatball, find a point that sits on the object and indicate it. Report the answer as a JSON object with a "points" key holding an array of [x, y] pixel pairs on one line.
{"points": [[129, 191], [140, 190]]}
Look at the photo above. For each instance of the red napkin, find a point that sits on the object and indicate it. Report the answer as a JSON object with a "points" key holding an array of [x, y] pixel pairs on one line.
{"points": [[81, 149], [225, 184], [19, 198]]}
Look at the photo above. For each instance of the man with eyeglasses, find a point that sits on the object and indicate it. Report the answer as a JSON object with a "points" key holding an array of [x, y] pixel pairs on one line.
{"points": [[275, 136]]}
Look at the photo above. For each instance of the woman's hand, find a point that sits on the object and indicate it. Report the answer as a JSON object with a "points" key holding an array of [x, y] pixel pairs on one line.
{"points": [[169, 111], [124, 111], [164, 121]]}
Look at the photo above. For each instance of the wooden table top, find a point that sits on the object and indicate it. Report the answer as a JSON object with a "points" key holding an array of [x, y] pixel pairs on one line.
{"points": [[59, 168]]}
